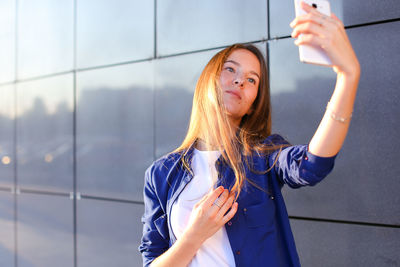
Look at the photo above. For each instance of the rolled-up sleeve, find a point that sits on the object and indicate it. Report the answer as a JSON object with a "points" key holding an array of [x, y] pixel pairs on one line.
{"points": [[154, 241], [296, 166]]}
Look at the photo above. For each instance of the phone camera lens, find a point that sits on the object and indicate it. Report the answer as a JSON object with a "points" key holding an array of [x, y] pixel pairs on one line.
{"points": [[314, 5]]}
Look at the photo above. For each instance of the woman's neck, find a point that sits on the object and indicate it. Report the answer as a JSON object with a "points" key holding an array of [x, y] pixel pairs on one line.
{"points": [[203, 146]]}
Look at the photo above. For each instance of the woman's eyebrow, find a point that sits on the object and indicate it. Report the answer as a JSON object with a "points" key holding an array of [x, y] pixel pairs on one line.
{"points": [[237, 64]]}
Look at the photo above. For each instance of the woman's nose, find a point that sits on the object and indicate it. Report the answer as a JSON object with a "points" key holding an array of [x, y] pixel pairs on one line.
{"points": [[238, 81]]}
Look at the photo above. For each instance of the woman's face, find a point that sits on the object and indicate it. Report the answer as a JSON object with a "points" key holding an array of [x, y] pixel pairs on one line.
{"points": [[239, 80]]}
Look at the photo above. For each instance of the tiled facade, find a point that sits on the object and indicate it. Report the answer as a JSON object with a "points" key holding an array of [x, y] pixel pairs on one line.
{"points": [[92, 91]]}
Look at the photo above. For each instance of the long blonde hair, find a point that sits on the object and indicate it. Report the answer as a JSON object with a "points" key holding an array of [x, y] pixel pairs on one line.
{"points": [[209, 120]]}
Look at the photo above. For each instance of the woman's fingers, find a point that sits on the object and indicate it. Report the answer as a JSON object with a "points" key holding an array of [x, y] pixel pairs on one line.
{"points": [[225, 207], [220, 201], [307, 27], [213, 196], [310, 39], [230, 214], [316, 18]]}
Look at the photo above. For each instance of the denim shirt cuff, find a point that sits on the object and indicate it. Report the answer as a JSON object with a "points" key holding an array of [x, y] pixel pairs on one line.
{"points": [[316, 164]]}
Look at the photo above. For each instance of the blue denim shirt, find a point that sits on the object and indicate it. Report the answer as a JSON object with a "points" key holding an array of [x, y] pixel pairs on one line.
{"points": [[259, 233]]}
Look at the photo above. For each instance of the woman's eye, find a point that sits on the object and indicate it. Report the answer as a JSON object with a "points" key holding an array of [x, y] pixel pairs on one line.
{"points": [[251, 80], [230, 69]]}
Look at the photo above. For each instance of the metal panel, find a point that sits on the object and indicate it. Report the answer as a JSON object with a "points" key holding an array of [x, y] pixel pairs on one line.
{"points": [[45, 231], [112, 32], [115, 130], [44, 133], [45, 37], [334, 244], [7, 40], [7, 242], [108, 233], [194, 25], [7, 120]]}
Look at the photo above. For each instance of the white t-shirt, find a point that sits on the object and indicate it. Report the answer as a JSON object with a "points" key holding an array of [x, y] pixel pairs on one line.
{"points": [[215, 251]]}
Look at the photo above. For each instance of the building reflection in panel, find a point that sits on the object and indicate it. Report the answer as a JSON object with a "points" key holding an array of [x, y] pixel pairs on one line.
{"points": [[175, 81], [345, 244], [45, 230], [114, 32], [351, 12], [195, 25], [7, 40], [45, 37], [114, 130], [7, 115], [108, 233], [364, 185], [44, 133], [7, 244]]}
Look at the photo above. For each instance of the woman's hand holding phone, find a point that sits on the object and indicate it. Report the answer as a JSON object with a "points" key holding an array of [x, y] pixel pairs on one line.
{"points": [[328, 33]]}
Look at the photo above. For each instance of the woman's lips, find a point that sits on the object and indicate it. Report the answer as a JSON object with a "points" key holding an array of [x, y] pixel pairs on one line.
{"points": [[237, 94]]}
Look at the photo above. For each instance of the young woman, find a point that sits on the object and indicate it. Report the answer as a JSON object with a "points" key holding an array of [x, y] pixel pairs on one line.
{"points": [[216, 200]]}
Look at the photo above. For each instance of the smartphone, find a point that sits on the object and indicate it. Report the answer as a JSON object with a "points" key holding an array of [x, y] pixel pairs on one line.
{"points": [[311, 54]]}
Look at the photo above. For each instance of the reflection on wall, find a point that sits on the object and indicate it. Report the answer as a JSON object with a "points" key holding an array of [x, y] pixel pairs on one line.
{"points": [[7, 41], [116, 235], [6, 149], [114, 140], [45, 222], [7, 245], [7, 158], [45, 37], [45, 147], [45, 133], [173, 108]]}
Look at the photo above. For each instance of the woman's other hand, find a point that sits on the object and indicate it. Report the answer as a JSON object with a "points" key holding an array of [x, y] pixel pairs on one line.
{"points": [[210, 214], [319, 30]]}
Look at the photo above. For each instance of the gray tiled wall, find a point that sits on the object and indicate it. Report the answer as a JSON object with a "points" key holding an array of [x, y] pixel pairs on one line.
{"points": [[91, 92]]}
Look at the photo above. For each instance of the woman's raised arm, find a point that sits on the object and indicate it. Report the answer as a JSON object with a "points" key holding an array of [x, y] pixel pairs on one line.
{"points": [[329, 33]]}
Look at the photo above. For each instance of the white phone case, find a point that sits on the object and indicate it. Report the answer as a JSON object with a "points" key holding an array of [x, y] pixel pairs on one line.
{"points": [[312, 54]]}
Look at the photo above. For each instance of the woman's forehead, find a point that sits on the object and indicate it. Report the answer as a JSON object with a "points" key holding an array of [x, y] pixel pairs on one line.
{"points": [[245, 59]]}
